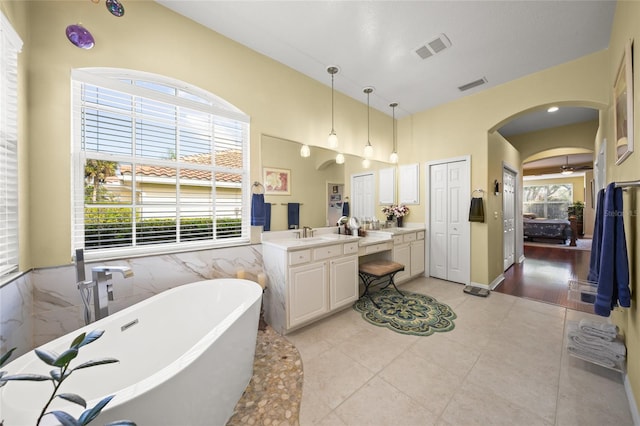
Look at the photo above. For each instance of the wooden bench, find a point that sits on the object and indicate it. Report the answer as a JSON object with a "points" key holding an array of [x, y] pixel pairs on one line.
{"points": [[379, 270]]}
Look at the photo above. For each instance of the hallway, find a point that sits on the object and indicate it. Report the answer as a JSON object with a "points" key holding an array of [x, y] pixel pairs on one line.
{"points": [[545, 274]]}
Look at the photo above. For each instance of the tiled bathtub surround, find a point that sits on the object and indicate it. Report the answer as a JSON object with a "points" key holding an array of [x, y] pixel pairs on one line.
{"points": [[16, 324], [45, 303]]}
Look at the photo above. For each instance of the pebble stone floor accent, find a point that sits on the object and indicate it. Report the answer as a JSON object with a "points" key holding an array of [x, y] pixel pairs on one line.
{"points": [[275, 390]]}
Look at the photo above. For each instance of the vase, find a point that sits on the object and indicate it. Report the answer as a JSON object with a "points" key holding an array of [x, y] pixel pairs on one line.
{"points": [[399, 220], [390, 218]]}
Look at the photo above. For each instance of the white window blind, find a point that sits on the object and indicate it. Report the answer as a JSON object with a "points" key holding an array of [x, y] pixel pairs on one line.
{"points": [[160, 165], [10, 46]]}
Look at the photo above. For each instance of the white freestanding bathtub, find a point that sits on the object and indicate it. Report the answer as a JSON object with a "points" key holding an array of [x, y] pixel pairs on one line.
{"points": [[186, 356]]}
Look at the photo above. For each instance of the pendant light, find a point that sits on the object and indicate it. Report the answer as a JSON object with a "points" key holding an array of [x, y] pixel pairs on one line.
{"points": [[332, 141], [305, 151], [368, 149], [340, 158], [393, 158]]}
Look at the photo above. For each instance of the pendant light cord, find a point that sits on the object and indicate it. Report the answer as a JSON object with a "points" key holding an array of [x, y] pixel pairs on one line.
{"points": [[332, 128], [368, 138]]}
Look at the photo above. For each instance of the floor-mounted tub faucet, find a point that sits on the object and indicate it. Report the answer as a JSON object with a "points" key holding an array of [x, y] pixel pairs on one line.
{"points": [[103, 288], [100, 285]]}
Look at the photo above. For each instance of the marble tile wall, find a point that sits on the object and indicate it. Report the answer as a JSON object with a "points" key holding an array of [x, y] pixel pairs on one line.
{"points": [[48, 304], [16, 323]]}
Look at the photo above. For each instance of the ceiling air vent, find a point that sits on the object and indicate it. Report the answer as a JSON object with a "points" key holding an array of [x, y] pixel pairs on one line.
{"points": [[473, 84], [434, 46]]}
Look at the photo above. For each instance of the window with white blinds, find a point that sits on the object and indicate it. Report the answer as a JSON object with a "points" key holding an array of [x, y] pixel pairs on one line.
{"points": [[10, 46], [159, 165]]}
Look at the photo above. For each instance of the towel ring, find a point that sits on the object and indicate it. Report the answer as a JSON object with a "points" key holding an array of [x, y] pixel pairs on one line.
{"points": [[481, 191], [257, 188]]}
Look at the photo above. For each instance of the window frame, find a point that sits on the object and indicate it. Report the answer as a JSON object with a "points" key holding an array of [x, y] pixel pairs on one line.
{"points": [[546, 201], [10, 47], [110, 78]]}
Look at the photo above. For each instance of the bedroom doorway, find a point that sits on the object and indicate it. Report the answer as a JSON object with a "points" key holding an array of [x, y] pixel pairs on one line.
{"points": [[509, 209]]}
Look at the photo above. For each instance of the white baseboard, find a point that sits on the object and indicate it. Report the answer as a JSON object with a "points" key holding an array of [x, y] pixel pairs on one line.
{"points": [[632, 401], [495, 283], [521, 259]]}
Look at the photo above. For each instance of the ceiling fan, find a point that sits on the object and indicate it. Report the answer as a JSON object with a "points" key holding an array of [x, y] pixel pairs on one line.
{"points": [[566, 169]]}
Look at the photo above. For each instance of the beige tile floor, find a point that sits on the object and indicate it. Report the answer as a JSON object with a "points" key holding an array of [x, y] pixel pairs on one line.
{"points": [[503, 364]]}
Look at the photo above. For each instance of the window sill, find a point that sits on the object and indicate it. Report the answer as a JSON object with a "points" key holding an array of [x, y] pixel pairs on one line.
{"points": [[128, 253]]}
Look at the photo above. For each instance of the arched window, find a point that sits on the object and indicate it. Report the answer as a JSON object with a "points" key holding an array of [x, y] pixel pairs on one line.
{"points": [[159, 165]]}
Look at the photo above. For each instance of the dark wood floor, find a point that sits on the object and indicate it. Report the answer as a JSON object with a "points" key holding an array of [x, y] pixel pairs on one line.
{"points": [[545, 275]]}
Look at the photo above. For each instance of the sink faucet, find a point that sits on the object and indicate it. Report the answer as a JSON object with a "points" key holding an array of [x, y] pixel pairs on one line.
{"points": [[103, 288], [305, 230], [342, 222]]}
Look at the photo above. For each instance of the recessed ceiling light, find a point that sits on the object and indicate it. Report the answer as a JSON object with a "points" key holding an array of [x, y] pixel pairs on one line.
{"points": [[553, 109]]}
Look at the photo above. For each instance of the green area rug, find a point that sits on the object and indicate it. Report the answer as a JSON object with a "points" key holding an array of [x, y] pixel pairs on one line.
{"points": [[415, 313]]}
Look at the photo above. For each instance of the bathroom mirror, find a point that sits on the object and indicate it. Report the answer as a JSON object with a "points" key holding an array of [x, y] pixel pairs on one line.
{"points": [[317, 183]]}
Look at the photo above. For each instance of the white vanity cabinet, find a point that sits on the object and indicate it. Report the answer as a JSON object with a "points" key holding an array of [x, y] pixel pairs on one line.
{"points": [[408, 249], [308, 292], [308, 283], [343, 281]]}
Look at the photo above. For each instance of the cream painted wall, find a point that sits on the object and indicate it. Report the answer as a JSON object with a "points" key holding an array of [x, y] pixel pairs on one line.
{"points": [[625, 27], [151, 38], [580, 135], [461, 127], [501, 154]]}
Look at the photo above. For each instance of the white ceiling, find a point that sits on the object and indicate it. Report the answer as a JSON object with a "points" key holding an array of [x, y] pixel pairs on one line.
{"points": [[374, 42]]}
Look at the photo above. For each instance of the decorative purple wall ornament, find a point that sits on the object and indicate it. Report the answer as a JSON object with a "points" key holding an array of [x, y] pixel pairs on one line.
{"points": [[115, 7], [79, 36]]}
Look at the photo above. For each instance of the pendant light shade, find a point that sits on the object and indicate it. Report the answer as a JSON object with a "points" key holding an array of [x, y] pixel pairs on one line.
{"points": [[368, 149], [393, 158], [305, 151], [366, 163], [340, 158], [332, 141]]}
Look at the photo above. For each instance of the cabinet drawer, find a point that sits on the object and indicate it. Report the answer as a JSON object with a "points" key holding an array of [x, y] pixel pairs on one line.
{"points": [[420, 235], [327, 251], [409, 237], [397, 239], [375, 248], [299, 256], [350, 248]]}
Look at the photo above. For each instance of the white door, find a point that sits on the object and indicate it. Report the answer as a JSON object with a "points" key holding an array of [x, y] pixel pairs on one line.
{"points": [[508, 217], [449, 231], [362, 195]]}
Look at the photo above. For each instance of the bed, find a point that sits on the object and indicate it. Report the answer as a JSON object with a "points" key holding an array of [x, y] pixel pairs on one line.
{"points": [[546, 229]]}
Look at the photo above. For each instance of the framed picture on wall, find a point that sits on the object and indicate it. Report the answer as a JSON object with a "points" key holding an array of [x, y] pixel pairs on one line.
{"points": [[277, 181], [623, 105]]}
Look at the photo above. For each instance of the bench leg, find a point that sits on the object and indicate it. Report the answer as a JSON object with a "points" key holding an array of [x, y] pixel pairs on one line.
{"points": [[368, 279], [391, 282]]}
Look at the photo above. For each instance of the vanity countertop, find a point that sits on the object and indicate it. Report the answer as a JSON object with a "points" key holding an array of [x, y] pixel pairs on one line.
{"points": [[394, 231], [324, 240]]}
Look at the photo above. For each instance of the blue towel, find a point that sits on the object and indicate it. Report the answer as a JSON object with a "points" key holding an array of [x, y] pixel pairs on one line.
{"points": [[345, 208], [257, 210], [293, 210], [613, 278], [267, 217], [596, 243]]}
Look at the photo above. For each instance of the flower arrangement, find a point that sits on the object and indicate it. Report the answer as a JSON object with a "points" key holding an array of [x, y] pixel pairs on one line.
{"points": [[399, 210]]}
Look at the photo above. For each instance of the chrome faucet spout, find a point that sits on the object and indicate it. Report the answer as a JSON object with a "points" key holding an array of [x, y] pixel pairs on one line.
{"points": [[108, 269], [103, 288], [307, 232]]}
